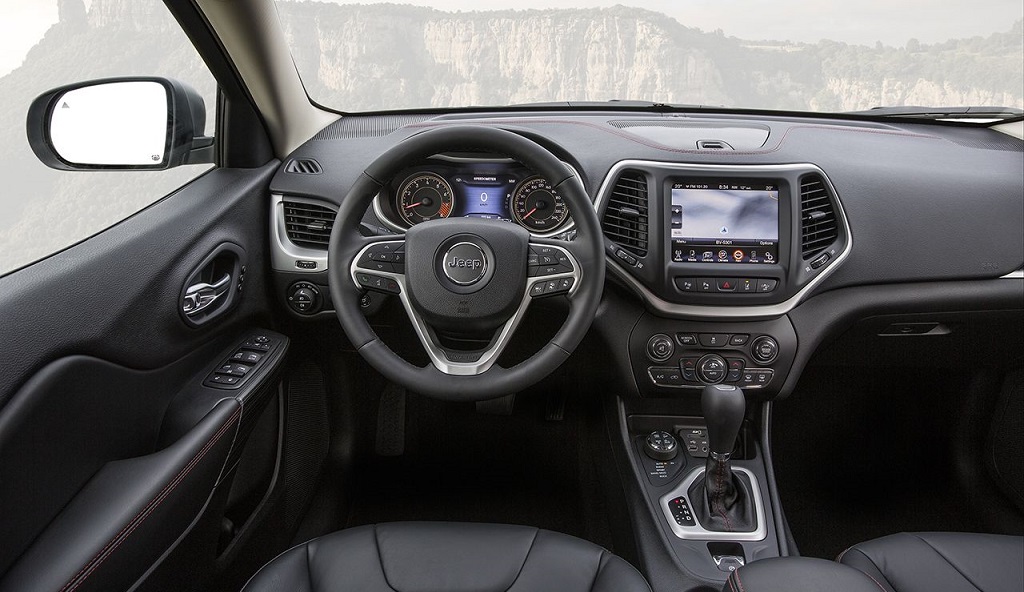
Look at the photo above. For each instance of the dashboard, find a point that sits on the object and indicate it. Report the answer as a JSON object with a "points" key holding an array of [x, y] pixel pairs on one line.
{"points": [[452, 186], [724, 265]]}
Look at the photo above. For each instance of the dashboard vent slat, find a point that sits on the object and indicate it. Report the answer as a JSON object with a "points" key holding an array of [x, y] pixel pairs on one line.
{"points": [[625, 218], [303, 166], [308, 225], [818, 226]]}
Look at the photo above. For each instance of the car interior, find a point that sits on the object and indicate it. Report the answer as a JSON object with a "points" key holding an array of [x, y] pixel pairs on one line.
{"points": [[566, 346]]}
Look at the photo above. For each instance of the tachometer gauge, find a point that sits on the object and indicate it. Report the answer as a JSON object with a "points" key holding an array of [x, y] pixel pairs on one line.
{"points": [[424, 196], [536, 206]]}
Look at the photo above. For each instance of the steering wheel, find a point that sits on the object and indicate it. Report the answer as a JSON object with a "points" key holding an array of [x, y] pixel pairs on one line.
{"points": [[467, 274]]}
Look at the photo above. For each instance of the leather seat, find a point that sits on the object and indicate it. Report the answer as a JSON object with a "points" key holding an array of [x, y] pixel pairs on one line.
{"points": [[906, 562], [946, 561], [455, 557]]}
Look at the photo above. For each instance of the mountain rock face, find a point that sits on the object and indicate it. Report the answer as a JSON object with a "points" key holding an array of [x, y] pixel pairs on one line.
{"points": [[398, 56], [372, 57]]}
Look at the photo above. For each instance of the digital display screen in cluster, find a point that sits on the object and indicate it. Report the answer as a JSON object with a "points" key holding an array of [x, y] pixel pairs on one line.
{"points": [[725, 221]]}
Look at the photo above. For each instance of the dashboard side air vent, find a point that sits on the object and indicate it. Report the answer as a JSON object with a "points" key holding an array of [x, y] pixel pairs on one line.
{"points": [[625, 218], [818, 225], [308, 225], [303, 166]]}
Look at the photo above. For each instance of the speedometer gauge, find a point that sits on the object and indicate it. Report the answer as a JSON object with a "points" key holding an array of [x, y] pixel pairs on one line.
{"points": [[423, 197], [536, 206]]}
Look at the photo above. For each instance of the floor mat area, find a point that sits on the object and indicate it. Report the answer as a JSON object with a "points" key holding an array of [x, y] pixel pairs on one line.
{"points": [[861, 454], [461, 465]]}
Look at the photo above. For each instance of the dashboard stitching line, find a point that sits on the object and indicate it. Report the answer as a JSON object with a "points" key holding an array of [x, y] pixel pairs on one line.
{"points": [[139, 518]]}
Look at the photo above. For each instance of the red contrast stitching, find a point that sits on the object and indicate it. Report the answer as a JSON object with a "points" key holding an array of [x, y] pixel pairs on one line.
{"points": [[738, 582], [139, 518]]}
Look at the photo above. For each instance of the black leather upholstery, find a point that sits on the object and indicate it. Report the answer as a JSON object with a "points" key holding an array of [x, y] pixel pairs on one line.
{"points": [[455, 557], [798, 574], [946, 561]]}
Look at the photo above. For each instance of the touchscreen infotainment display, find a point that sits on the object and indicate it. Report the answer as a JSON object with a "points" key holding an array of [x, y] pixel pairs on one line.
{"points": [[725, 221]]}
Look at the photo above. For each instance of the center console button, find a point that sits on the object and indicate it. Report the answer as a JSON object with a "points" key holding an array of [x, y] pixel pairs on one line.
{"points": [[714, 339], [726, 285], [738, 339], [686, 339], [764, 349], [665, 375], [660, 347], [711, 369], [706, 285], [686, 284], [766, 285]]}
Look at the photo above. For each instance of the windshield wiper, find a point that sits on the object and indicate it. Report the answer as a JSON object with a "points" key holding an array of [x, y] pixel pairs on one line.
{"points": [[985, 112]]}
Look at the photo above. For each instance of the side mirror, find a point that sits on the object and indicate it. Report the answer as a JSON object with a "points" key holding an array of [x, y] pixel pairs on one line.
{"points": [[119, 124]]}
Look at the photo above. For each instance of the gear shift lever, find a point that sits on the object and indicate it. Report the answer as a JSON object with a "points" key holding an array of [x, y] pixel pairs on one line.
{"points": [[723, 406], [722, 500]]}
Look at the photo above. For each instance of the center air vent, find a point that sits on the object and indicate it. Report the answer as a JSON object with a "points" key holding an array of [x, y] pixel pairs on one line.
{"points": [[308, 225], [303, 166], [625, 218], [818, 225]]}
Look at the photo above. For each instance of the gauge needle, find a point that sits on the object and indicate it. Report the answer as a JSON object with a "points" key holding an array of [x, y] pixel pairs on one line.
{"points": [[410, 206], [530, 213]]}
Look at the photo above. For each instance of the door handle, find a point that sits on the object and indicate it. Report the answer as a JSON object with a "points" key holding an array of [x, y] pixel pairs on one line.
{"points": [[200, 296]]}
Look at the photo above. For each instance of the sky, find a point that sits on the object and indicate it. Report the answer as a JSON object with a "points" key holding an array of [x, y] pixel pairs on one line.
{"points": [[23, 22]]}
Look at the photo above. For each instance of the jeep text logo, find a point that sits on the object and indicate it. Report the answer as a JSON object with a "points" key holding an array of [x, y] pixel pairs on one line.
{"points": [[464, 263], [470, 263]]}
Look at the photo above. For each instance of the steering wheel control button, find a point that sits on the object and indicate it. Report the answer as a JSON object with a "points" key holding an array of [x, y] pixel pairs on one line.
{"points": [[714, 339], [712, 369], [665, 375], [660, 348], [754, 378], [739, 339], [681, 512], [661, 445], [764, 349], [551, 287], [385, 257], [766, 285], [378, 283], [547, 261]]}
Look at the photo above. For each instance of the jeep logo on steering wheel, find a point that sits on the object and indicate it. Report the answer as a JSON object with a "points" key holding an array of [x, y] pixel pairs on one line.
{"points": [[465, 263]]}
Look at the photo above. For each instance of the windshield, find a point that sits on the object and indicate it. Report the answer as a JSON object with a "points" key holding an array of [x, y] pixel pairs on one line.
{"points": [[806, 55]]}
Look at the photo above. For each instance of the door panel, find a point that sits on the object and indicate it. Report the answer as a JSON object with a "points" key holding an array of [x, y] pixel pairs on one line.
{"points": [[113, 440]]}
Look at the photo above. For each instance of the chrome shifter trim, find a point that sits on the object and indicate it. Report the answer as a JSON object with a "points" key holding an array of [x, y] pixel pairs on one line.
{"points": [[698, 532]]}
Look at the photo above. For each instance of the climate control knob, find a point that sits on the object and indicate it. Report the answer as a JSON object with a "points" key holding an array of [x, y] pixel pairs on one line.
{"points": [[764, 349], [660, 348], [712, 369]]}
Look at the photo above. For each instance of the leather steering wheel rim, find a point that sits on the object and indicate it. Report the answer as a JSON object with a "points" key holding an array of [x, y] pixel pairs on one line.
{"points": [[587, 248]]}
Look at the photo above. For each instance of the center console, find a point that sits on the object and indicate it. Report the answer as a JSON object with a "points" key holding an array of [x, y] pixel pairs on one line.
{"points": [[719, 254]]}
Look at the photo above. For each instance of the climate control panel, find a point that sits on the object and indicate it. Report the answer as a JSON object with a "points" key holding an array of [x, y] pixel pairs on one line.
{"points": [[669, 357]]}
